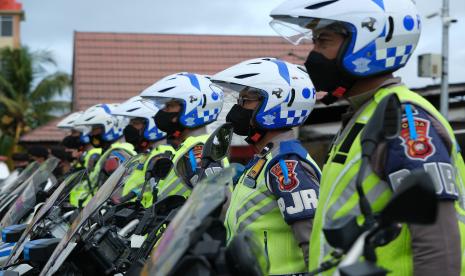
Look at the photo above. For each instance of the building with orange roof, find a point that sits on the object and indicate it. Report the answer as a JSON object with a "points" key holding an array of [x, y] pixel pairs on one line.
{"points": [[11, 15], [112, 67]]}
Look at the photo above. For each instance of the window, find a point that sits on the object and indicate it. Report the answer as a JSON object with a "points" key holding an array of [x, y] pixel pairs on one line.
{"points": [[6, 25]]}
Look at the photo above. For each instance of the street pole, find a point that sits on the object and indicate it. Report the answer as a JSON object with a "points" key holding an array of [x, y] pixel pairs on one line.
{"points": [[445, 59]]}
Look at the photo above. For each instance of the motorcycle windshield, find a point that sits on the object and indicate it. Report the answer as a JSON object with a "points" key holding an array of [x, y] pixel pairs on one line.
{"points": [[206, 197], [54, 200], [116, 179], [11, 184], [27, 200]]}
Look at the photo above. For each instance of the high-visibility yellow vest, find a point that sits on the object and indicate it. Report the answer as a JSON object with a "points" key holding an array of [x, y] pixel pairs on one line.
{"points": [[256, 209], [338, 196]]}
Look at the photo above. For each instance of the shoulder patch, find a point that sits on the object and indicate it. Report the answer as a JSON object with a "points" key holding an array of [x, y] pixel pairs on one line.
{"points": [[292, 181], [420, 148]]}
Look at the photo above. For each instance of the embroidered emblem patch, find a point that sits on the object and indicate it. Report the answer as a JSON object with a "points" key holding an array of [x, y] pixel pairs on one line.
{"points": [[421, 148], [197, 153], [292, 182]]}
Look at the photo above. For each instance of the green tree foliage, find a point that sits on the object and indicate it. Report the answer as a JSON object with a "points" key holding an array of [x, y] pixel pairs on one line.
{"points": [[28, 95]]}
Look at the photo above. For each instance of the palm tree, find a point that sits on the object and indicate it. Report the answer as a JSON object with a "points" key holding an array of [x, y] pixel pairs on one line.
{"points": [[28, 96]]}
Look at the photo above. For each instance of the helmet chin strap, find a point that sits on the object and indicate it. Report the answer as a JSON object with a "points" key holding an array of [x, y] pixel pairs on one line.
{"points": [[334, 96], [143, 145], [255, 135]]}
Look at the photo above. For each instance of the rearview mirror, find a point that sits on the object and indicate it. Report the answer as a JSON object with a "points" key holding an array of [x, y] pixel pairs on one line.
{"points": [[161, 168], [415, 201], [217, 145], [384, 124], [184, 168], [342, 233], [245, 256]]}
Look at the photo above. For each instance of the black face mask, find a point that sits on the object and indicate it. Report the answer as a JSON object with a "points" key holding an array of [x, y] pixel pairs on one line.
{"points": [[326, 76], [68, 156], [133, 136], [72, 142], [58, 172], [96, 141], [240, 119], [164, 121]]}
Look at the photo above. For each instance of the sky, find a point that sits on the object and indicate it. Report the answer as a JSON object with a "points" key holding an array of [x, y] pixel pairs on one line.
{"points": [[50, 25]]}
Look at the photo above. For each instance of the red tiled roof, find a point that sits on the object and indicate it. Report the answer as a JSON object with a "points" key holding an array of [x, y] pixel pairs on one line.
{"points": [[10, 5], [112, 67], [46, 133]]}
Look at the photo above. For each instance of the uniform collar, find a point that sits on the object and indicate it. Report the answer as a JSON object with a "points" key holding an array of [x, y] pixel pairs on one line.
{"points": [[286, 135], [357, 101], [198, 132], [273, 144]]}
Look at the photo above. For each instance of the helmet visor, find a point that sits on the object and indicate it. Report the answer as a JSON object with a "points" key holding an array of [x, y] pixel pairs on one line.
{"points": [[298, 30], [226, 86], [293, 33], [85, 130], [159, 102]]}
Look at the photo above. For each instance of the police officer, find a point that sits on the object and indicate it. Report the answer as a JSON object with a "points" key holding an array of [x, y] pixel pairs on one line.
{"points": [[357, 45], [38, 154], [147, 139], [78, 144], [105, 130], [277, 194], [187, 103]]}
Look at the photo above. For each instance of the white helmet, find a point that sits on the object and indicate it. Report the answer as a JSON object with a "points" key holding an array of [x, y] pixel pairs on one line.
{"points": [[288, 92], [201, 103], [102, 115], [68, 123], [135, 107], [383, 33]]}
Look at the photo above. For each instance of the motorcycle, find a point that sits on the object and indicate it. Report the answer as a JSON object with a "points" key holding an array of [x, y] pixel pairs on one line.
{"points": [[33, 191], [14, 180], [41, 178], [51, 220], [108, 238], [47, 255], [414, 202], [195, 241]]}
